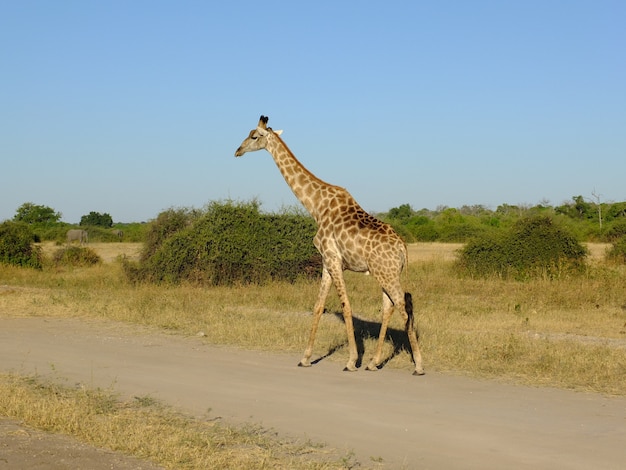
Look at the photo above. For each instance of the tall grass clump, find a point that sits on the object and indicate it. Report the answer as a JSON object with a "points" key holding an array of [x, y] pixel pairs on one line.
{"points": [[17, 247], [76, 256], [534, 246], [225, 244]]}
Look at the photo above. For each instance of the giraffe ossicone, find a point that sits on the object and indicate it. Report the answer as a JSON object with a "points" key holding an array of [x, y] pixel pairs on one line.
{"points": [[347, 238]]}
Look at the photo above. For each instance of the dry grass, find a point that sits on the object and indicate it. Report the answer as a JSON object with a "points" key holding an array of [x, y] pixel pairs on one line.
{"points": [[147, 430], [566, 333]]}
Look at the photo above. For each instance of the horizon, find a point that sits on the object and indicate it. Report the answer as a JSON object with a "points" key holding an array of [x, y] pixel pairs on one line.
{"points": [[298, 208]]}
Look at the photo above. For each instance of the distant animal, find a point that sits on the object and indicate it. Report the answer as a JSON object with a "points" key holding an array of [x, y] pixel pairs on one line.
{"points": [[118, 233], [77, 235]]}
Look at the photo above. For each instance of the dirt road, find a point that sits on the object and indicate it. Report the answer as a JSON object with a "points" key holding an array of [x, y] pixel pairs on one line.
{"points": [[431, 422]]}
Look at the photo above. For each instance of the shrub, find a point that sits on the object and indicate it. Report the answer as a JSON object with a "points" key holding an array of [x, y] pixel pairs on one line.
{"points": [[51, 232], [454, 226], [402, 230], [533, 246], [616, 231], [228, 243], [422, 228], [166, 224], [76, 256], [617, 252], [16, 245]]}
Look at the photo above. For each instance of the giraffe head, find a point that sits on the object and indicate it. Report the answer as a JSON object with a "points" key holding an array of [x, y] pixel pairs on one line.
{"points": [[257, 139]]}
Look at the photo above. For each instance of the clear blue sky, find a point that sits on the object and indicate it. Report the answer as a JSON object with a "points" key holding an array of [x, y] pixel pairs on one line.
{"points": [[132, 107]]}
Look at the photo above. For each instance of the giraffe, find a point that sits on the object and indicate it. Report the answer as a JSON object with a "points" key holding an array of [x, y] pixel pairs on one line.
{"points": [[347, 238]]}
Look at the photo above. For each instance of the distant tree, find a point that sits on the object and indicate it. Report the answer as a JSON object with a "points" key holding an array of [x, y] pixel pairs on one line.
{"points": [[34, 214], [95, 219], [506, 209], [577, 209], [476, 210], [400, 213], [582, 208]]}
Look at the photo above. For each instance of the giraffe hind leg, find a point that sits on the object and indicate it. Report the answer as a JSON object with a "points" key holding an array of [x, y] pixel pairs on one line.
{"points": [[410, 330], [388, 308], [405, 304]]}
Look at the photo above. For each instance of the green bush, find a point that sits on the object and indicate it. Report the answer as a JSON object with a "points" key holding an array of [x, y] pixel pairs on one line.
{"points": [[131, 232], [76, 256], [228, 243], [616, 231], [534, 246], [16, 245], [422, 229], [51, 232], [166, 224], [617, 252]]}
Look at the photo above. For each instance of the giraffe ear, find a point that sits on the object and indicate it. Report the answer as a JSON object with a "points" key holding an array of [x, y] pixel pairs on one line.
{"points": [[262, 132], [278, 132]]}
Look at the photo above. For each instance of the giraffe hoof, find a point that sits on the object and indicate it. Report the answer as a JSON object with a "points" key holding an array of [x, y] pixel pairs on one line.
{"points": [[304, 364], [350, 369], [371, 366], [419, 372]]}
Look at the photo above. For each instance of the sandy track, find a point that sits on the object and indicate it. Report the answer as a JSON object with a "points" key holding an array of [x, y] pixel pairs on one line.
{"points": [[431, 422]]}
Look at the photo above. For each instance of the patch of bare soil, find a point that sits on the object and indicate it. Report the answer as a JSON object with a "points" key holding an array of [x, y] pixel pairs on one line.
{"points": [[597, 251]]}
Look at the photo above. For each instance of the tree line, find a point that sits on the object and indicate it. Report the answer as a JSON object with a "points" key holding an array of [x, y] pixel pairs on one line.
{"points": [[45, 224], [227, 242], [587, 220]]}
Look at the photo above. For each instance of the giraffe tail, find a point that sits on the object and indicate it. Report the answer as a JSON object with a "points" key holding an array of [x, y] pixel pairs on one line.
{"points": [[408, 306]]}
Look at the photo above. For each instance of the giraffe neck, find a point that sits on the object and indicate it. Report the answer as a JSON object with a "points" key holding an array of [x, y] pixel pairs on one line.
{"points": [[304, 184]]}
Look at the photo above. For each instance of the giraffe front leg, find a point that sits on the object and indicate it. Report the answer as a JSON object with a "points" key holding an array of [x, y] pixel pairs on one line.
{"points": [[317, 314]]}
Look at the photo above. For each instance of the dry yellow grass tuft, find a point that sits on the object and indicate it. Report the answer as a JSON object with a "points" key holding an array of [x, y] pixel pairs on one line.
{"points": [[147, 430]]}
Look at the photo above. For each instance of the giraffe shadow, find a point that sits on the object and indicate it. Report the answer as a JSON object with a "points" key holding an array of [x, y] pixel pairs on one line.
{"points": [[365, 329]]}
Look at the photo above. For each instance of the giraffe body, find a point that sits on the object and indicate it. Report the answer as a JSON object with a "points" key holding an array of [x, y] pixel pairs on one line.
{"points": [[347, 238]]}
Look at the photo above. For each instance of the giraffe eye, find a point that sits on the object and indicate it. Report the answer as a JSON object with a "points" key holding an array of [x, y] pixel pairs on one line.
{"points": [[254, 137]]}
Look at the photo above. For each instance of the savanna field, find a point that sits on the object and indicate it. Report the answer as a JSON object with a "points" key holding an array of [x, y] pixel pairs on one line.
{"points": [[568, 332]]}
